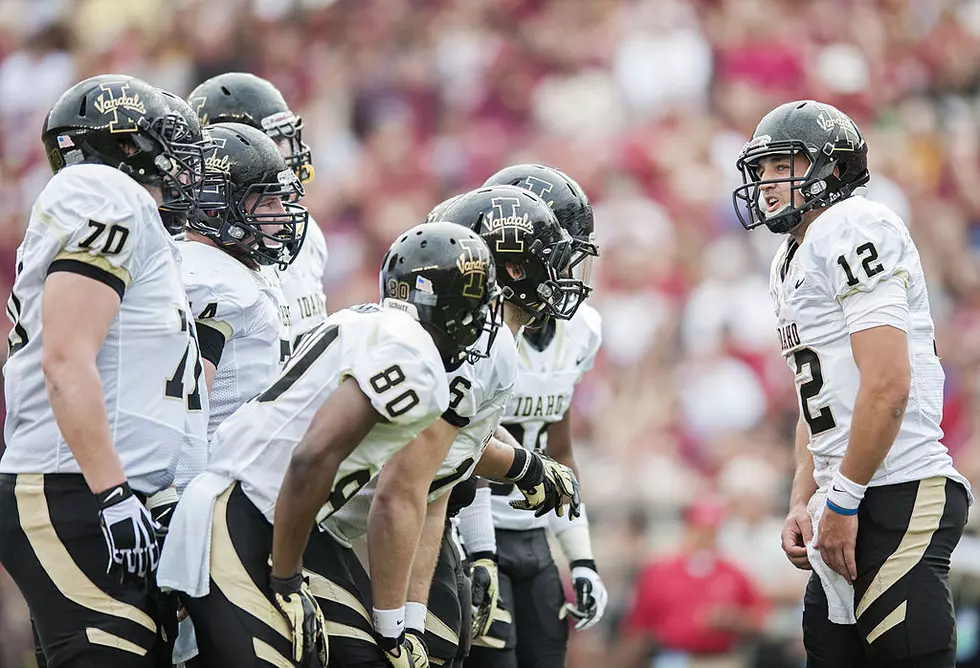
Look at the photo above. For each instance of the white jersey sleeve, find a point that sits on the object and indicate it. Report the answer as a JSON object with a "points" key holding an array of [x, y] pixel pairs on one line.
{"points": [[86, 224], [97, 222], [870, 265]]}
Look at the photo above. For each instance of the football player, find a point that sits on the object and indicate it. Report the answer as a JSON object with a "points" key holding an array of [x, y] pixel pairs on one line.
{"points": [[876, 505], [555, 354], [103, 377], [245, 226], [359, 387], [479, 393], [245, 98]]}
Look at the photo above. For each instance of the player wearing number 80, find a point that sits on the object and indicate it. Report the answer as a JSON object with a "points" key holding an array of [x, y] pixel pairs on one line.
{"points": [[358, 388], [100, 325], [876, 506]]}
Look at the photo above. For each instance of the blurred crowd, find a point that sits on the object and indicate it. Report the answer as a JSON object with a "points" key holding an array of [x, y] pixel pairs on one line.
{"points": [[646, 103]]}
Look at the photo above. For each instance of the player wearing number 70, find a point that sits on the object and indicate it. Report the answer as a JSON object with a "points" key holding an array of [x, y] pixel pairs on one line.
{"points": [[876, 506], [100, 328], [357, 390]]}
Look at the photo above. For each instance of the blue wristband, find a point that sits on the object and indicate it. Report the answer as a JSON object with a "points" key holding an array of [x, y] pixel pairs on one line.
{"points": [[847, 512]]}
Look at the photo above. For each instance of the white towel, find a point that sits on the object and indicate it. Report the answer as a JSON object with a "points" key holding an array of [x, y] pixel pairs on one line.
{"points": [[840, 592], [185, 563]]}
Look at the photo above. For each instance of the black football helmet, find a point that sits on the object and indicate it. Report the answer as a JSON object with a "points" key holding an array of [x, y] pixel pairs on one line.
{"points": [[827, 137], [125, 123], [444, 274], [437, 212], [520, 228], [239, 97], [252, 170], [570, 204]]}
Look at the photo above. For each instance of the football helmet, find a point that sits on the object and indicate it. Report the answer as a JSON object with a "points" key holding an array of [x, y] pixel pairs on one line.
{"points": [[521, 229], [251, 170], [570, 204], [125, 123], [444, 275], [832, 143], [239, 97]]}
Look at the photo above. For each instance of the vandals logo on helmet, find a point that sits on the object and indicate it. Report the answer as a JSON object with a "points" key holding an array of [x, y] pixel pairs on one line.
{"points": [[539, 187], [847, 134], [216, 162], [474, 267], [112, 98]]}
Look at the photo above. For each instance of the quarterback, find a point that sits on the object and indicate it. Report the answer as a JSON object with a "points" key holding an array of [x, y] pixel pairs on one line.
{"points": [[876, 506]]}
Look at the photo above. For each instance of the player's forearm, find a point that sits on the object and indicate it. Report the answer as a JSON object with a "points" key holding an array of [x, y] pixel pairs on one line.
{"points": [[427, 554], [496, 460], [394, 526], [878, 412], [75, 392], [305, 489], [804, 484]]}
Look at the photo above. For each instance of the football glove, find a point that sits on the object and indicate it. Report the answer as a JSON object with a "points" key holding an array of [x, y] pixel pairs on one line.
{"points": [[556, 486], [294, 600], [161, 506], [590, 598], [407, 651], [486, 591], [130, 534]]}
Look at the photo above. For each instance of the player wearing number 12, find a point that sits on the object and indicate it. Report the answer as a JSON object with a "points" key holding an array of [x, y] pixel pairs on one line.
{"points": [[876, 506], [358, 388], [101, 326]]}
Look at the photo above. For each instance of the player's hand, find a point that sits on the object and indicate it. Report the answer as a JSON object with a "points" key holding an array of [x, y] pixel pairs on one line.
{"points": [[408, 651], [486, 591], [556, 486], [797, 532], [161, 506], [836, 538], [590, 598], [294, 600], [130, 534]]}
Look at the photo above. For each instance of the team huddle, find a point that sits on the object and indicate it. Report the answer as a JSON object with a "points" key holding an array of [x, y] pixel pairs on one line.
{"points": [[193, 446]]}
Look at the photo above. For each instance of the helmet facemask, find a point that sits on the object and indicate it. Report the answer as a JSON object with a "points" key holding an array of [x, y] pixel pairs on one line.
{"points": [[240, 221], [288, 127], [821, 185], [180, 165]]}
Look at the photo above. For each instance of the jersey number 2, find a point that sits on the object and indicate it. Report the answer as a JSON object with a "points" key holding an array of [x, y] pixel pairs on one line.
{"points": [[824, 419]]}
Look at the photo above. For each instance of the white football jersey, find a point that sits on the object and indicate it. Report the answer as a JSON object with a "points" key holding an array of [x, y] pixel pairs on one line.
{"points": [[545, 384], [246, 307], [858, 268], [302, 284], [394, 362], [240, 314], [478, 396], [98, 222]]}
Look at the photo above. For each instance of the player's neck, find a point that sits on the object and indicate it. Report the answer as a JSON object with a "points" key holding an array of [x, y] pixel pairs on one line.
{"points": [[515, 318], [800, 230]]}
